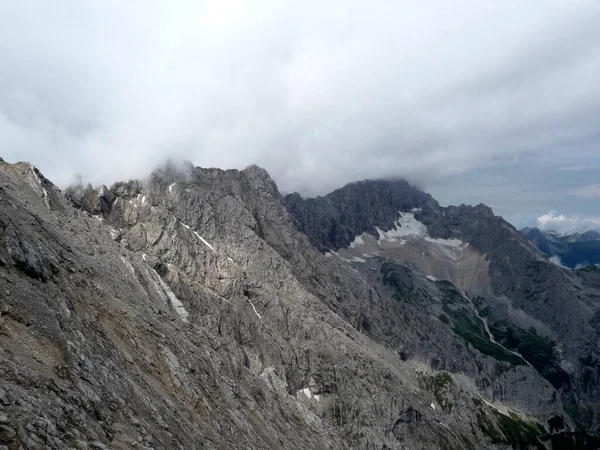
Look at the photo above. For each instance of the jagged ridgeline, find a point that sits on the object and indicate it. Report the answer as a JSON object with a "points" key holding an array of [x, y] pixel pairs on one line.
{"points": [[198, 308]]}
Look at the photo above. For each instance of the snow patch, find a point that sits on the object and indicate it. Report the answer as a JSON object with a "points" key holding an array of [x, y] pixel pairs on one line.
{"points": [[171, 187], [254, 308], [357, 241], [456, 243], [39, 181], [432, 406], [175, 302], [128, 265], [405, 225], [416, 210], [354, 259], [431, 278], [204, 241], [114, 234], [307, 392]]}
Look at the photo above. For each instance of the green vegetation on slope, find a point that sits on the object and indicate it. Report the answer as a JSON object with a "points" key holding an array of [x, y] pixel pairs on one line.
{"points": [[440, 385], [538, 350], [468, 326], [399, 279], [511, 430]]}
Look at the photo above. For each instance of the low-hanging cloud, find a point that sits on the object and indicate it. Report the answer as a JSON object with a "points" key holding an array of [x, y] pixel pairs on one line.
{"points": [[552, 221], [319, 93]]}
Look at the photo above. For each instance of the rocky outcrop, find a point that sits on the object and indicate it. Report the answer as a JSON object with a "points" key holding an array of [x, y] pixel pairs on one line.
{"points": [[333, 221]]}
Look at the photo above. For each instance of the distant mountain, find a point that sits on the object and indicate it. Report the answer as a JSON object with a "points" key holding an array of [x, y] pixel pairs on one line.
{"points": [[573, 250]]}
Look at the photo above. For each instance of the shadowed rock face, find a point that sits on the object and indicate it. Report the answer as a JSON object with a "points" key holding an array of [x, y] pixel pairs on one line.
{"points": [[331, 222], [187, 310]]}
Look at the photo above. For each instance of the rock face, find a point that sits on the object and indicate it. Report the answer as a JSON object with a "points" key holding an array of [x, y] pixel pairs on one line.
{"points": [[193, 309], [574, 250], [331, 222]]}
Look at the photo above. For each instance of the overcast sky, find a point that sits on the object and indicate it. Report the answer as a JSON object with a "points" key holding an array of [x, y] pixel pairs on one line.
{"points": [[475, 100]]}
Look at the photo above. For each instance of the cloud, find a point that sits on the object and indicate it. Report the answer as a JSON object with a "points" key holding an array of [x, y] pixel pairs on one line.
{"points": [[557, 261], [591, 191], [562, 224], [318, 93]]}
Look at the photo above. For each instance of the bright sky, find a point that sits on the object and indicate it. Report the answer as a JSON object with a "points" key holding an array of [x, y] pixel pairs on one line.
{"points": [[475, 101]]}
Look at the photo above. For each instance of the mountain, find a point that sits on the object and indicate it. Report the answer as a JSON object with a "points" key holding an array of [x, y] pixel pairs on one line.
{"points": [[545, 313], [572, 250], [198, 308]]}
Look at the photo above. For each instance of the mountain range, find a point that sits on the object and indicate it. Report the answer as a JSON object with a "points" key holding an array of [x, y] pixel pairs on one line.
{"points": [[571, 250], [200, 308]]}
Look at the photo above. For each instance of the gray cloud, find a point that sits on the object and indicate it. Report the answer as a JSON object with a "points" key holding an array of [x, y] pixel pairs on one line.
{"points": [[590, 191], [319, 93]]}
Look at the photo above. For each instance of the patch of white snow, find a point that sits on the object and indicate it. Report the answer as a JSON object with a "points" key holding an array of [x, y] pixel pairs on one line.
{"points": [[456, 243], [357, 241], [44, 191], [306, 391], [128, 265], [204, 241], [431, 278], [114, 234], [198, 236], [406, 225], [175, 302], [355, 259], [254, 308]]}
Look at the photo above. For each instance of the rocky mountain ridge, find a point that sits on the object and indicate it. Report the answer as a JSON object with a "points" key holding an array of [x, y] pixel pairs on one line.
{"points": [[190, 310]]}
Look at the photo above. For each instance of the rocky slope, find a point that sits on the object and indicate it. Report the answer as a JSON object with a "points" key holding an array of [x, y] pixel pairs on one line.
{"points": [[193, 309], [574, 250], [529, 305]]}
